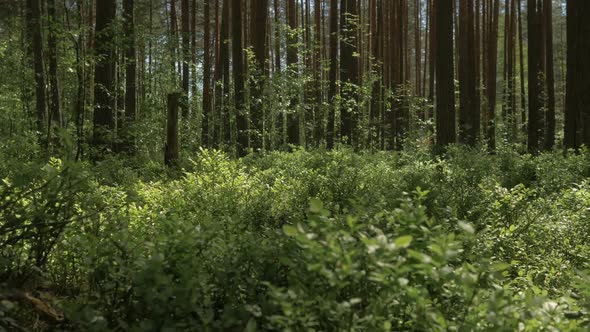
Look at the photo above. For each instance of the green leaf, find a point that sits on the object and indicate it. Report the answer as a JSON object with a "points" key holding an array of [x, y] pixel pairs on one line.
{"points": [[387, 326], [251, 326], [290, 230], [467, 227], [403, 241], [498, 267], [315, 205], [403, 282]]}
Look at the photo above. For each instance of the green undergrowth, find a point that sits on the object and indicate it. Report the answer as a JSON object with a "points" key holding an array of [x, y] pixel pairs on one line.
{"points": [[302, 241]]}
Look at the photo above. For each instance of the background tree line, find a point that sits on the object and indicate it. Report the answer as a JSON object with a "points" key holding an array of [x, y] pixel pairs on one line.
{"points": [[271, 74]]}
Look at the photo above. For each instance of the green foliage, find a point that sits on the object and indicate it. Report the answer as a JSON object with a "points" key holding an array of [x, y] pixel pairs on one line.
{"points": [[308, 241]]}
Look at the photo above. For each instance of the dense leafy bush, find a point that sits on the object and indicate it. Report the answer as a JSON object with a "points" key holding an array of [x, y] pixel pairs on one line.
{"points": [[321, 241]]}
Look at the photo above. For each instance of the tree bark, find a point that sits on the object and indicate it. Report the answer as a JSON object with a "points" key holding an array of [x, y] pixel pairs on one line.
{"points": [[292, 65], [186, 57], [492, 72], [577, 115], [468, 114], [445, 98], [348, 68], [550, 78], [534, 68], [130, 75], [33, 13], [238, 74], [521, 65], [258, 37], [54, 104], [207, 118], [332, 76]]}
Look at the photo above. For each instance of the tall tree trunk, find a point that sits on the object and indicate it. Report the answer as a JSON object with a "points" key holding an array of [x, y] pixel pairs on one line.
{"points": [[258, 37], [521, 65], [317, 70], [534, 67], [238, 74], [79, 111], [130, 75], [348, 69], [468, 114], [277, 36], [104, 72], [511, 71], [54, 104], [292, 65], [417, 47], [377, 68], [550, 79], [432, 54], [174, 40], [577, 115], [402, 74], [186, 57], [331, 130], [90, 46], [492, 72], [478, 67], [207, 118], [193, 56], [224, 60], [445, 94], [33, 13]]}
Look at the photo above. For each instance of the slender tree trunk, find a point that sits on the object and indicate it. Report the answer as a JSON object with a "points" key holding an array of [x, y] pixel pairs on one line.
{"points": [[224, 58], [292, 65], [511, 71], [258, 37], [401, 123], [492, 72], [377, 69], [193, 61], [550, 115], [468, 115], [174, 39], [79, 111], [207, 118], [33, 13], [278, 120], [521, 65], [238, 74], [445, 98], [478, 67], [217, 85], [90, 47], [432, 54], [505, 65], [348, 68], [534, 41], [54, 104], [317, 72], [331, 130], [186, 57], [130, 74], [417, 47], [277, 37]]}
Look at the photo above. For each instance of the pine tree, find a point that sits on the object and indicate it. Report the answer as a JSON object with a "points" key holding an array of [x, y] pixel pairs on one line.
{"points": [[445, 94]]}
